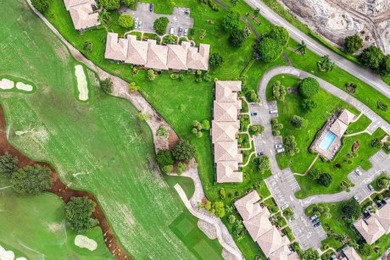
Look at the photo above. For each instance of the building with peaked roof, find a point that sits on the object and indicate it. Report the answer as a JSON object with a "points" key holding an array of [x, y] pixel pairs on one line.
{"points": [[224, 131], [198, 58], [248, 206], [227, 151], [225, 112], [350, 253], [116, 49], [283, 253], [227, 171], [177, 56], [137, 51], [259, 224], [370, 229], [272, 241], [346, 117], [82, 13], [227, 91], [157, 56], [383, 216]]}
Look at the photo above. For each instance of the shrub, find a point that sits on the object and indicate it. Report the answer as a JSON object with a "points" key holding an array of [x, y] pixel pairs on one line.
{"points": [[41, 5], [88, 46], [290, 145], [279, 91], [269, 50], [164, 158], [353, 43], [183, 151], [160, 25], [308, 105], [231, 22], [129, 3], [110, 5], [297, 121], [167, 169], [206, 124], [126, 21], [106, 85], [262, 164], [314, 174], [216, 60], [31, 179], [181, 167], [256, 129], [232, 219], [237, 38], [133, 87], [325, 179], [279, 34], [222, 193], [376, 143], [309, 87], [78, 213], [162, 131], [8, 164], [151, 75], [351, 209], [219, 209]]}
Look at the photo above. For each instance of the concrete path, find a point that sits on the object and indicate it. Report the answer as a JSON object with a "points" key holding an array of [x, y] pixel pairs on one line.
{"points": [[363, 74]]}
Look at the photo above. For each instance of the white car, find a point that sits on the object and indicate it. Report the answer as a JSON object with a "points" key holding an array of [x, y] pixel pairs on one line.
{"points": [[278, 146], [356, 198], [280, 150], [285, 206], [358, 172], [185, 32], [172, 30]]}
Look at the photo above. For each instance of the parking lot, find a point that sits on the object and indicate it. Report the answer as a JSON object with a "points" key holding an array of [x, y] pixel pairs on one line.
{"points": [[144, 19]]}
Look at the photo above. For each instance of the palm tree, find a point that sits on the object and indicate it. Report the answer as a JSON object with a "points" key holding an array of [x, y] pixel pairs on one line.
{"points": [[326, 64], [301, 48], [104, 17]]}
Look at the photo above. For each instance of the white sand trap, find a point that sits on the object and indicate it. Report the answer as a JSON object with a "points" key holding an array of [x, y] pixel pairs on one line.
{"points": [[82, 83], [24, 87], [6, 255], [6, 84], [85, 242], [21, 258]]}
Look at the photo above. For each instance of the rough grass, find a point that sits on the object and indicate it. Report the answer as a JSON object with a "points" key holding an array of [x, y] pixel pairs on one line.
{"points": [[99, 145]]}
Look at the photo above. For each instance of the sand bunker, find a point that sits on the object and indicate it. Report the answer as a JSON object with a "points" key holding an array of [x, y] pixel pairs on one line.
{"points": [[85, 242], [82, 84], [6, 255], [24, 87], [6, 84]]}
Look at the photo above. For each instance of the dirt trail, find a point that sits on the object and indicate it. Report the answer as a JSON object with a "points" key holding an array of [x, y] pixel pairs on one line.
{"points": [[62, 191]]}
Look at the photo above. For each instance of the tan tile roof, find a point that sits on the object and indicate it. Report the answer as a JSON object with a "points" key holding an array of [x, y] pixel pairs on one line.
{"points": [[177, 56], [198, 59], [351, 254], [70, 3], [137, 51], [271, 241], [227, 151], [83, 16], [116, 49], [283, 253], [259, 224], [383, 216], [248, 206], [370, 229], [226, 91], [338, 128], [346, 117], [157, 56], [224, 131], [227, 172], [225, 112]]}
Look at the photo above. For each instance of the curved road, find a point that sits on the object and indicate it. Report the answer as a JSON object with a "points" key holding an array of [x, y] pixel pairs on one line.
{"points": [[282, 183], [363, 74]]}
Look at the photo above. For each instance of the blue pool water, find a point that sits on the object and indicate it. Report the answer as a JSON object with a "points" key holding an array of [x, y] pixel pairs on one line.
{"points": [[327, 142]]}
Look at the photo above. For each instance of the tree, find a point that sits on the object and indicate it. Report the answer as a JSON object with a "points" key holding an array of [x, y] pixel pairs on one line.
{"points": [[231, 22], [269, 50], [160, 25], [383, 182], [111, 5], [104, 17], [256, 129], [31, 179], [237, 228], [167, 169], [181, 167], [106, 85], [232, 219], [279, 34], [8, 164], [308, 105], [290, 145], [216, 60], [129, 3], [385, 65], [301, 48], [262, 164], [279, 91], [297, 121], [309, 87], [78, 213], [133, 87], [88, 46], [353, 43], [183, 151], [310, 254], [365, 249], [314, 174], [151, 75], [41, 5], [162, 131], [219, 209], [371, 57], [206, 124], [126, 21], [325, 64], [237, 37], [351, 209], [325, 179], [164, 158]]}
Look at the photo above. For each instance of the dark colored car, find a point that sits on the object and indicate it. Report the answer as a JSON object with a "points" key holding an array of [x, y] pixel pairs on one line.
{"points": [[151, 7]]}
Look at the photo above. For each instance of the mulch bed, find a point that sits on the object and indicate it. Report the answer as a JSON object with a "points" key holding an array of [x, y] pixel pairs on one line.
{"points": [[65, 193]]}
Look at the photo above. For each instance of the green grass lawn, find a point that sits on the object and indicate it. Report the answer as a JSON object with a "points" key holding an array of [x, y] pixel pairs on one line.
{"points": [[100, 145], [34, 227]]}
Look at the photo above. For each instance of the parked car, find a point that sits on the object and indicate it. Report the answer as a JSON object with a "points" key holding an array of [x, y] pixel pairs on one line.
{"points": [[180, 29], [280, 150], [187, 11], [317, 224], [285, 206], [260, 153], [172, 30], [151, 7], [273, 111], [278, 146], [370, 187], [314, 217], [185, 32], [315, 221], [358, 172], [356, 198], [254, 114]]}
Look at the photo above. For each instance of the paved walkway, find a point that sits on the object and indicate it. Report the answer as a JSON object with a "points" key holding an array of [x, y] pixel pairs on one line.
{"points": [[363, 74], [283, 184]]}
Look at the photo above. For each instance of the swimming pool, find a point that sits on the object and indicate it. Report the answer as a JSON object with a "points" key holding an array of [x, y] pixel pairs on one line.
{"points": [[327, 142]]}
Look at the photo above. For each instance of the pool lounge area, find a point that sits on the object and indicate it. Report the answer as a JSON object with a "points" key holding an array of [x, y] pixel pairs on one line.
{"points": [[329, 139]]}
